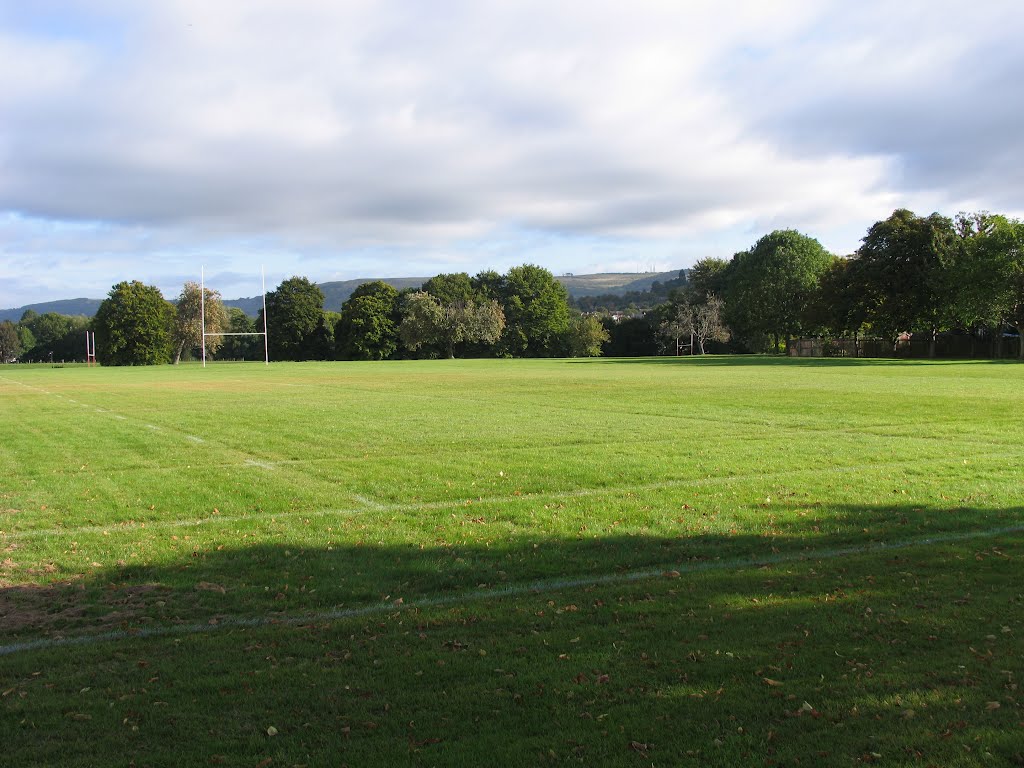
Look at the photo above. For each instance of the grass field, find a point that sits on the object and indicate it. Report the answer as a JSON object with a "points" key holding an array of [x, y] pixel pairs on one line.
{"points": [[719, 561]]}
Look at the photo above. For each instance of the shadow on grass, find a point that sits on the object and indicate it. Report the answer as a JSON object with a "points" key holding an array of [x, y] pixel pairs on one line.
{"points": [[904, 655], [476, 554]]}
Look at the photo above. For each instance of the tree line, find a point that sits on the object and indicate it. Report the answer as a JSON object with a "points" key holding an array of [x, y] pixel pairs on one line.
{"points": [[522, 313], [919, 275]]}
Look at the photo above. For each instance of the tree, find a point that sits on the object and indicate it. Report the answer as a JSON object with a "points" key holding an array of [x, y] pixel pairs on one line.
{"points": [[49, 333], [708, 324], [294, 311], [840, 305], [26, 339], [320, 343], [133, 326], [426, 321], [450, 289], [771, 285], [680, 324], [188, 322], [905, 269], [536, 308], [632, 337], [990, 272], [586, 337], [701, 322], [368, 327], [10, 344], [707, 276]]}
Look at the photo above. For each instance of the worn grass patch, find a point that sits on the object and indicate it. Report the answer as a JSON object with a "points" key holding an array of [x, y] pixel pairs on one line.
{"points": [[712, 562]]}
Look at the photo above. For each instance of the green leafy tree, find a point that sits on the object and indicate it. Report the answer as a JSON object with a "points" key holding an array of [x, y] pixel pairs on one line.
{"points": [[133, 326], [906, 272], [10, 344], [840, 305], [427, 322], [633, 336], [771, 285], [294, 313], [536, 308], [320, 344], [50, 333], [368, 327], [26, 339], [488, 284], [586, 337], [990, 272], [188, 322], [707, 276], [450, 289]]}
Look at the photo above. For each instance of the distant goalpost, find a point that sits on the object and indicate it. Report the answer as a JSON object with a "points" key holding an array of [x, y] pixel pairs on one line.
{"points": [[202, 312]]}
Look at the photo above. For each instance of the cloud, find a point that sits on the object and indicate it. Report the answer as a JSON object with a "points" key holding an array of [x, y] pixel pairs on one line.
{"points": [[386, 136]]}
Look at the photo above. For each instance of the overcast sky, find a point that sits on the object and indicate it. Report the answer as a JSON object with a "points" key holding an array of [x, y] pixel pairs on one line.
{"points": [[362, 138]]}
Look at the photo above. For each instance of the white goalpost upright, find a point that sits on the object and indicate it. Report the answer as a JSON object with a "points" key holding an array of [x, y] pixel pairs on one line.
{"points": [[202, 312]]}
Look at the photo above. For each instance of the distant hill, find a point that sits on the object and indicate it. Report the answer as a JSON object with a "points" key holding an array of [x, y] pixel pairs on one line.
{"points": [[85, 307], [337, 292], [612, 282]]}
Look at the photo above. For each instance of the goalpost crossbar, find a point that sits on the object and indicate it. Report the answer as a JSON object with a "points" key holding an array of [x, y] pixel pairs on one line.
{"points": [[263, 333]]}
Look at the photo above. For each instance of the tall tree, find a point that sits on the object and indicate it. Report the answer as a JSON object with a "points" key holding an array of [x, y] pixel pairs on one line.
{"points": [[10, 344], [991, 272], [840, 305], [450, 289], [586, 337], [368, 328], [428, 322], [188, 322], [294, 311], [770, 285], [133, 326], [707, 276], [536, 308], [905, 266]]}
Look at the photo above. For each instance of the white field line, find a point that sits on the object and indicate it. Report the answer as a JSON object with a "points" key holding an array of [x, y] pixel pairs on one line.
{"points": [[366, 501], [260, 464], [495, 593], [453, 504]]}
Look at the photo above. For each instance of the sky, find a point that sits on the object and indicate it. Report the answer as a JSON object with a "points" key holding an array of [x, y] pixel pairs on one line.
{"points": [[338, 139]]}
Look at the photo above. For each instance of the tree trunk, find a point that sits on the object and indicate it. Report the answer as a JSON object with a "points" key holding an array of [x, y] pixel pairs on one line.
{"points": [[932, 341]]}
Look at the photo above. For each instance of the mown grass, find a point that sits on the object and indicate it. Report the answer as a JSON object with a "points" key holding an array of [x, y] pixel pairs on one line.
{"points": [[713, 561]]}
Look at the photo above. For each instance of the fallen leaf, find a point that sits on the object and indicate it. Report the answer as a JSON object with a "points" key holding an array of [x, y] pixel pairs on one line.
{"points": [[772, 683]]}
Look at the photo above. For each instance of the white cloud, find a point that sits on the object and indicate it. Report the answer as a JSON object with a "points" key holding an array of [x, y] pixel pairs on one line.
{"points": [[388, 138]]}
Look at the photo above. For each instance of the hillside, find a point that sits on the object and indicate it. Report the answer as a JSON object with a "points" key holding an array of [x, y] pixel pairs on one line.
{"points": [[337, 292], [85, 307]]}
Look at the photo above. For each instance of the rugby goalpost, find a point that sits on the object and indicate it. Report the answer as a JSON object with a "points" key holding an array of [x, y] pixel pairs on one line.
{"points": [[202, 312]]}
